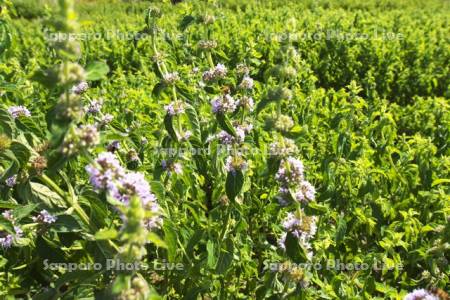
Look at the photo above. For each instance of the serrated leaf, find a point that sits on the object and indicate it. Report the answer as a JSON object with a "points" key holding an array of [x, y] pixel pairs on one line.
{"points": [[23, 211], [193, 120], [46, 195]]}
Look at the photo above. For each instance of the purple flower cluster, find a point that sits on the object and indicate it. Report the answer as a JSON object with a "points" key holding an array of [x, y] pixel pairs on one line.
{"points": [[246, 103], [106, 119], [291, 177], [94, 106], [241, 131], [185, 135], [19, 111], [300, 224], [106, 173], [290, 171], [171, 78], [246, 83], [223, 104], [80, 88], [8, 215], [235, 163], [302, 227], [171, 167], [242, 69], [133, 184], [306, 192], [85, 136], [44, 217], [283, 148], [7, 239], [225, 138], [421, 294], [11, 181], [219, 71], [175, 108]]}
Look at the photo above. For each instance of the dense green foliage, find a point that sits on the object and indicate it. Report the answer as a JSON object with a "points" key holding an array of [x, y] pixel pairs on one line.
{"points": [[367, 86]]}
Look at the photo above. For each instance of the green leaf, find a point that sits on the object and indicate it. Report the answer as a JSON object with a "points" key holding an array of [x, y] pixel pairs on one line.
{"points": [[293, 249], [341, 229], [193, 120], [5, 36], [155, 239], [46, 195], [168, 119], [21, 152], [262, 104], [106, 234], [211, 261], [66, 223], [234, 183], [225, 257], [225, 124], [121, 283], [23, 211], [157, 89], [185, 22], [96, 70], [170, 238], [158, 189], [46, 77], [6, 225], [440, 181]]}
